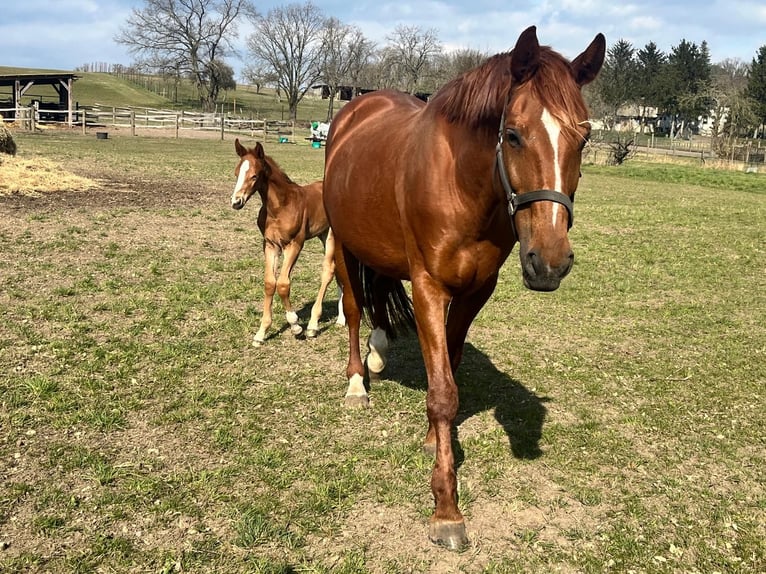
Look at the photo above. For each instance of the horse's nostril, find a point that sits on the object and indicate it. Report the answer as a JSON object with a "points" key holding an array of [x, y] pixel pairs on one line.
{"points": [[532, 262]]}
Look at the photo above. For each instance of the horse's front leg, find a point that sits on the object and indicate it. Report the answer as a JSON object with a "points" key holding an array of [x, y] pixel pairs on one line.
{"points": [[328, 272], [271, 258], [291, 253], [447, 526], [462, 312]]}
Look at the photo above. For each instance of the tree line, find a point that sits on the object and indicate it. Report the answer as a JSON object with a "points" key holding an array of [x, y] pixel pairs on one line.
{"points": [[683, 87], [296, 46]]}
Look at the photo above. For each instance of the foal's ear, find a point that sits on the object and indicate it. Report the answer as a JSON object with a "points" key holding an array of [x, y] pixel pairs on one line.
{"points": [[587, 65], [239, 147], [525, 58], [259, 153]]}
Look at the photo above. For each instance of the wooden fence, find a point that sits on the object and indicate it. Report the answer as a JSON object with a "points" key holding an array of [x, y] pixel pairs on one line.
{"points": [[102, 117]]}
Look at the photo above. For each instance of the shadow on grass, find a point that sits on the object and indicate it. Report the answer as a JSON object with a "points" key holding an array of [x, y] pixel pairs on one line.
{"points": [[482, 387]]}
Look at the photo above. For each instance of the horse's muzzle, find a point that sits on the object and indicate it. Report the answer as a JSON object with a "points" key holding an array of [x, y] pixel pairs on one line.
{"points": [[539, 275], [238, 203]]}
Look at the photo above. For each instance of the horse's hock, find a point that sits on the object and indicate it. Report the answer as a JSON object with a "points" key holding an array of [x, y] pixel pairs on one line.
{"points": [[7, 145]]}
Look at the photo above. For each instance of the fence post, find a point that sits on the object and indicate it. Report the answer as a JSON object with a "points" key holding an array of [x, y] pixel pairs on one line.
{"points": [[133, 122], [83, 122], [222, 122], [177, 123]]}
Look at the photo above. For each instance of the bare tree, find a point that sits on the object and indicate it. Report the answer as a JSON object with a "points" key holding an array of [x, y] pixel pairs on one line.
{"points": [[259, 75], [733, 112], [345, 53], [289, 41], [190, 37], [452, 64], [412, 50]]}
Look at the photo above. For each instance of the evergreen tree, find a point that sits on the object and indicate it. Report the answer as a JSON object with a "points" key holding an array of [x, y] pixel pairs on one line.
{"points": [[617, 81], [650, 85], [756, 85], [687, 80]]}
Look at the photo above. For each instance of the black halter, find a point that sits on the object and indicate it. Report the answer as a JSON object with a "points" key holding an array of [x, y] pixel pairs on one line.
{"points": [[519, 201]]}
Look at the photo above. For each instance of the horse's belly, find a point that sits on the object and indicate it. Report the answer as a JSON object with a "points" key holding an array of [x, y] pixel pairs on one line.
{"points": [[371, 232]]}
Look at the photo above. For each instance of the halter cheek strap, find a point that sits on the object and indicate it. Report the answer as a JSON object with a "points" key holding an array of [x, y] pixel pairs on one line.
{"points": [[519, 201]]}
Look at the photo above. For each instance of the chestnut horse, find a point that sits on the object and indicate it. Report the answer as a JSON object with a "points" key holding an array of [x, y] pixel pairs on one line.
{"points": [[438, 194], [289, 215]]}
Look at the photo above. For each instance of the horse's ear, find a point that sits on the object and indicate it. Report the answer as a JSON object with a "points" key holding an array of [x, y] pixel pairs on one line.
{"points": [[587, 65], [525, 58], [240, 149], [259, 153]]}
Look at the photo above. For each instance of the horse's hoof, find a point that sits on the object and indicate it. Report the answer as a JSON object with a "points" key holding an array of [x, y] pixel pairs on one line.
{"points": [[429, 449], [257, 342], [296, 329], [357, 401], [450, 535], [311, 333]]}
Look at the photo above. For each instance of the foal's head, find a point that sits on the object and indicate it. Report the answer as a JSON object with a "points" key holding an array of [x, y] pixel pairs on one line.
{"points": [[545, 128], [252, 173]]}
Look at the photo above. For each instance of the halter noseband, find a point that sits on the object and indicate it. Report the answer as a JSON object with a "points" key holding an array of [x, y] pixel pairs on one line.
{"points": [[519, 201]]}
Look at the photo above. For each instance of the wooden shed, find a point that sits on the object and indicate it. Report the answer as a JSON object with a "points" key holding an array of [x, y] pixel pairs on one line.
{"points": [[20, 84]]}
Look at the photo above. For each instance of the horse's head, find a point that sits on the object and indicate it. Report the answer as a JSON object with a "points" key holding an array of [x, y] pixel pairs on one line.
{"points": [[542, 135], [252, 173]]}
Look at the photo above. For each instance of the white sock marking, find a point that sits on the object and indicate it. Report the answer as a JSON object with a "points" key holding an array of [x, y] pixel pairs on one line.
{"points": [[554, 130]]}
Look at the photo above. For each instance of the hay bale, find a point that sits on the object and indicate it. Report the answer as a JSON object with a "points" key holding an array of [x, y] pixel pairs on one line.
{"points": [[7, 145]]}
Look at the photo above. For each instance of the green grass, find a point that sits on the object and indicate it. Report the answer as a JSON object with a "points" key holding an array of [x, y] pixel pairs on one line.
{"points": [[613, 425]]}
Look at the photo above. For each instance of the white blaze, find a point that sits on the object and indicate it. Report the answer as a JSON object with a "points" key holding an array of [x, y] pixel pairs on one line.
{"points": [[554, 131], [243, 169]]}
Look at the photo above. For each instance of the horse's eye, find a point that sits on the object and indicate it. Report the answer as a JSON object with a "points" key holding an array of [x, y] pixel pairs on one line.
{"points": [[513, 137]]}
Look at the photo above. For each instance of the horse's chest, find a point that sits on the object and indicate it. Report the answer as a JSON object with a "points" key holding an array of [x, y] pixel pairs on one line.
{"points": [[467, 267]]}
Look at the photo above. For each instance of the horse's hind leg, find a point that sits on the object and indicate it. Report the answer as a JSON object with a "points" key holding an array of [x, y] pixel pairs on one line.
{"points": [[378, 355], [271, 257], [347, 272], [328, 272], [291, 253]]}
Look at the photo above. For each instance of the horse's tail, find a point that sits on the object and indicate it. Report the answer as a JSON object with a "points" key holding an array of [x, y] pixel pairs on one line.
{"points": [[386, 302]]}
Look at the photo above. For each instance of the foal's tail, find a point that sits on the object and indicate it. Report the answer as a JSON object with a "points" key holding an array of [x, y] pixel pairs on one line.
{"points": [[386, 302]]}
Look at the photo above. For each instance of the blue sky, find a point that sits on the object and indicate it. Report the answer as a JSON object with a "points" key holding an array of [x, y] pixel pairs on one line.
{"points": [[65, 34]]}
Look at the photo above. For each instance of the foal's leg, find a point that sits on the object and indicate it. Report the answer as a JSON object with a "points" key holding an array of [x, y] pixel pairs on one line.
{"points": [[447, 526], [291, 253], [347, 272], [328, 272], [271, 259]]}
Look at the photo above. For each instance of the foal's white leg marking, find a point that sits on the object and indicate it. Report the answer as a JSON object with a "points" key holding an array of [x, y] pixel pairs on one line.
{"points": [[378, 343], [243, 169], [554, 131]]}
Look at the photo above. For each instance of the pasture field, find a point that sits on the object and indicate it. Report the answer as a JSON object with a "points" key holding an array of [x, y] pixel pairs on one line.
{"points": [[615, 425]]}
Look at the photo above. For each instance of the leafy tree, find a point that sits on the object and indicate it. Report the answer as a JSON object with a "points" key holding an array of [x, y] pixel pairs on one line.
{"points": [[756, 85], [289, 41], [188, 37]]}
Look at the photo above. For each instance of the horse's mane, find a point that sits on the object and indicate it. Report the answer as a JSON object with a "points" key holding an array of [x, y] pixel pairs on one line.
{"points": [[277, 173], [477, 97]]}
